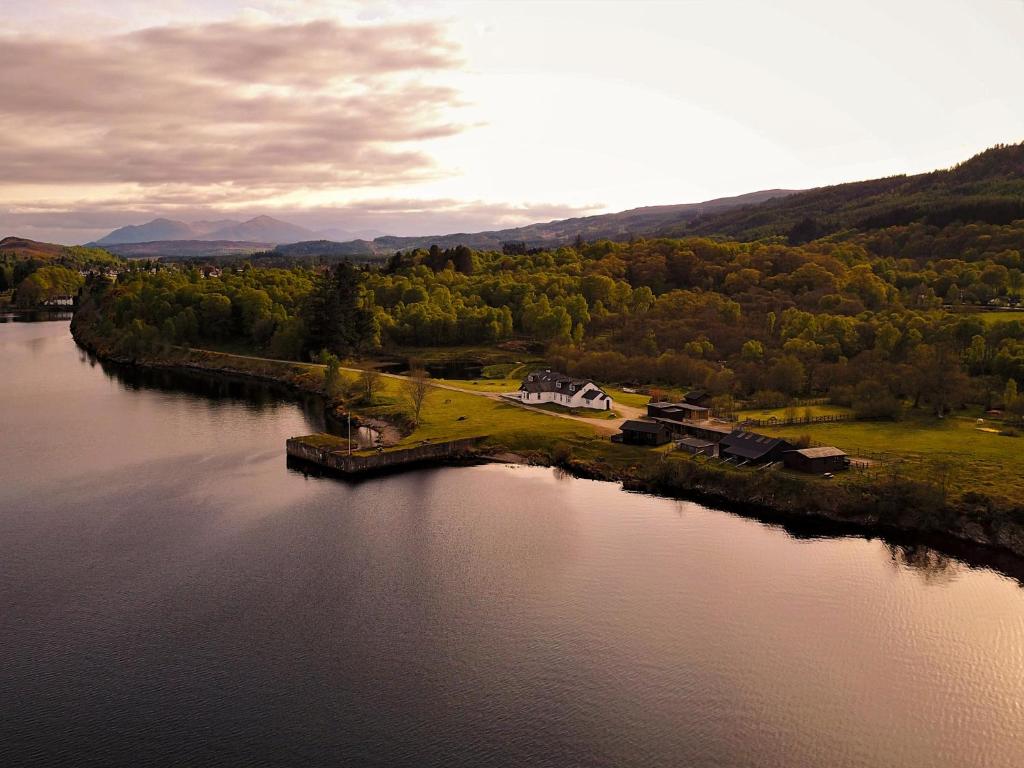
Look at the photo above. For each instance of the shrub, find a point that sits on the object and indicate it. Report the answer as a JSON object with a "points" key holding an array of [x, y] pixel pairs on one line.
{"points": [[561, 452]]}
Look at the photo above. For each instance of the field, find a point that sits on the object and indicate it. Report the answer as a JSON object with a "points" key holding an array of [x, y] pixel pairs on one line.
{"points": [[801, 411], [999, 316], [969, 458]]}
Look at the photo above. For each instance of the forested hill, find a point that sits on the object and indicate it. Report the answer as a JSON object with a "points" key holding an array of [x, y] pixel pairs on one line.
{"points": [[41, 271], [637, 222], [988, 188]]}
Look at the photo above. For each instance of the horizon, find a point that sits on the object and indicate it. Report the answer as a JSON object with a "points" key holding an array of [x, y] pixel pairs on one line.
{"points": [[426, 119]]}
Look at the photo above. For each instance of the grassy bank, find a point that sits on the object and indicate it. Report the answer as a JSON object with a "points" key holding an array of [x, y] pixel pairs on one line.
{"points": [[978, 501], [954, 450]]}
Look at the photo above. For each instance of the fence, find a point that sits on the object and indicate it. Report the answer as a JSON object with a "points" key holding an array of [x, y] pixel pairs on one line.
{"points": [[777, 422]]}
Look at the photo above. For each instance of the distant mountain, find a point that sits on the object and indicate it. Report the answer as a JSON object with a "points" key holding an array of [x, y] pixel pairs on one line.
{"points": [[637, 222], [987, 188], [157, 229], [262, 229], [157, 236], [23, 248], [203, 228], [343, 235]]}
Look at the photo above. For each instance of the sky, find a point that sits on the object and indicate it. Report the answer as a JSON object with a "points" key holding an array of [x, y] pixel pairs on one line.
{"points": [[418, 118]]}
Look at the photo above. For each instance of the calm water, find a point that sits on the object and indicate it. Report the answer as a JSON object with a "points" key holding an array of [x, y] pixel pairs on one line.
{"points": [[170, 593]]}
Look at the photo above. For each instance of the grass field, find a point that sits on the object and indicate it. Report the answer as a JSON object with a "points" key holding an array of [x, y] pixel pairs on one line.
{"points": [[800, 410], [926, 447], [448, 415], [999, 316]]}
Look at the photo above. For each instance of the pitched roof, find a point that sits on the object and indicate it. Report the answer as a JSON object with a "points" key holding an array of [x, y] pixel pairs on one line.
{"points": [[552, 381], [749, 445], [823, 452], [592, 393], [694, 442], [635, 425]]}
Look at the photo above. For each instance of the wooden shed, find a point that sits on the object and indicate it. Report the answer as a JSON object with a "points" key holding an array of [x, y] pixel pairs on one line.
{"points": [[638, 432], [816, 460]]}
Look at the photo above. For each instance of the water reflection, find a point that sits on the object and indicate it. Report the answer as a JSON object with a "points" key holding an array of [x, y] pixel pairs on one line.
{"points": [[931, 565], [169, 593]]}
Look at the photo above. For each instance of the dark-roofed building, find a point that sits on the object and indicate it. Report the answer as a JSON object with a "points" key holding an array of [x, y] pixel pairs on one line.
{"points": [[677, 411], [642, 432], [816, 460], [695, 446], [554, 387], [750, 447], [699, 397]]}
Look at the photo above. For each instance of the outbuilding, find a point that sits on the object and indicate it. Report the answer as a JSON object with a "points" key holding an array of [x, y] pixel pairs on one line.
{"points": [[677, 411], [751, 448], [816, 461], [695, 446], [642, 432]]}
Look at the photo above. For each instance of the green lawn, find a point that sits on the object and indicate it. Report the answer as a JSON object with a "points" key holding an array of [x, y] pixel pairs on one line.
{"points": [[801, 411], [924, 446], [483, 385], [627, 398], [999, 316]]}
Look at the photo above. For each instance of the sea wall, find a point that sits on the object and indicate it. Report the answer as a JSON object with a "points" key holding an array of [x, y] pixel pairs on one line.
{"points": [[363, 463]]}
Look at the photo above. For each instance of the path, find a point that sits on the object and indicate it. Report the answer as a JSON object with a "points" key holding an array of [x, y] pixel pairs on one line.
{"points": [[608, 426]]}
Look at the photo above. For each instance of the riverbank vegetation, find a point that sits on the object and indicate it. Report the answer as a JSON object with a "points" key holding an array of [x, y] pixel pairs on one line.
{"points": [[904, 325], [36, 273]]}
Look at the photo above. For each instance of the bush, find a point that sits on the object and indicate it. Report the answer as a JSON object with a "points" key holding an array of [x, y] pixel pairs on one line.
{"points": [[561, 452], [873, 400]]}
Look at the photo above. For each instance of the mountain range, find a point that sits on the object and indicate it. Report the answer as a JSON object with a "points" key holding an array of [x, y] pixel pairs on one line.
{"points": [[167, 237], [259, 230], [987, 188]]}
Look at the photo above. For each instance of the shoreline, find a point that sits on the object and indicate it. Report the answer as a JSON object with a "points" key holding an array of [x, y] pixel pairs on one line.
{"points": [[879, 514]]}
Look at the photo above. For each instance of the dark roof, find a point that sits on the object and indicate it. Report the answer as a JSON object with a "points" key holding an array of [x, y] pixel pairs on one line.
{"points": [[694, 442], [676, 406], [696, 394], [591, 394], [749, 445], [552, 381], [635, 425], [824, 452]]}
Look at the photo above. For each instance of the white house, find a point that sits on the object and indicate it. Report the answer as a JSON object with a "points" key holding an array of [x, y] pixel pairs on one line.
{"points": [[553, 387]]}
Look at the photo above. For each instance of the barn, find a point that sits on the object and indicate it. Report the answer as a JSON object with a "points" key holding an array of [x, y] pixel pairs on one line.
{"points": [[751, 448], [638, 432], [816, 461]]}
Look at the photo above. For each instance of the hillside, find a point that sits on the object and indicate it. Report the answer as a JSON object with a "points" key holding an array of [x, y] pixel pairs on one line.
{"points": [[987, 188], [261, 229], [163, 237], [187, 249], [608, 226], [22, 248]]}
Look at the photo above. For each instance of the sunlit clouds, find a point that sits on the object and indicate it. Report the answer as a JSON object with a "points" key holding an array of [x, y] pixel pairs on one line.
{"points": [[428, 117]]}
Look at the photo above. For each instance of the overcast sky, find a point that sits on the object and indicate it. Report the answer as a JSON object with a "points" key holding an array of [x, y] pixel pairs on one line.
{"points": [[426, 118]]}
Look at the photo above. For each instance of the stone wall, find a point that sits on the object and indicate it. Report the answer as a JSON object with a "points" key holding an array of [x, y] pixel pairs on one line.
{"points": [[365, 463]]}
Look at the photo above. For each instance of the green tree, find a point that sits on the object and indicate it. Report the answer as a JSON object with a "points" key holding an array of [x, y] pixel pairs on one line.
{"points": [[335, 313]]}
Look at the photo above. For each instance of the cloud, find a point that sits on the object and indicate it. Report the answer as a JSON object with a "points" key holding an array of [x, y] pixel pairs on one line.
{"points": [[227, 110]]}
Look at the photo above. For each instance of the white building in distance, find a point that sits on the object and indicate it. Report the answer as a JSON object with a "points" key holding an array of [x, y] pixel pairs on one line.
{"points": [[553, 387]]}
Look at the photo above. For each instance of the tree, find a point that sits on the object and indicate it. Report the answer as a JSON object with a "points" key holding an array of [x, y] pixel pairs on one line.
{"points": [[415, 389], [334, 385], [335, 315], [369, 383]]}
